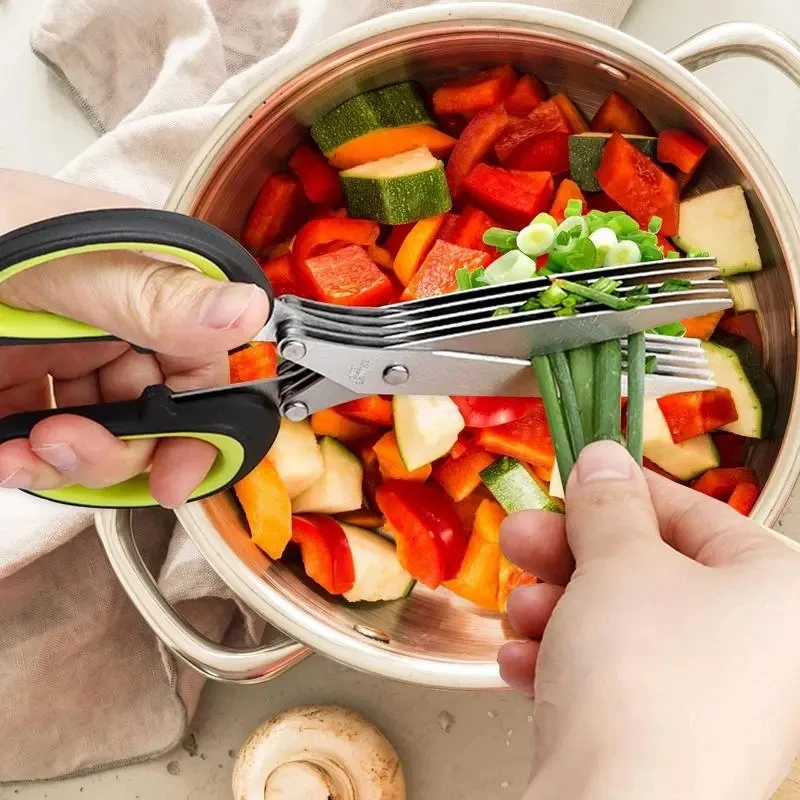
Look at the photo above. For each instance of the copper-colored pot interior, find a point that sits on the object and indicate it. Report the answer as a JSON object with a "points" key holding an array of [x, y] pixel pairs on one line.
{"points": [[439, 625]]}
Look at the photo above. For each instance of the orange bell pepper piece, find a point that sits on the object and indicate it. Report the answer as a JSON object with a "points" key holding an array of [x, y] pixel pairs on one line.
{"points": [[511, 577], [617, 114], [567, 190], [702, 327], [391, 464], [331, 423], [459, 477], [415, 247], [372, 410]]}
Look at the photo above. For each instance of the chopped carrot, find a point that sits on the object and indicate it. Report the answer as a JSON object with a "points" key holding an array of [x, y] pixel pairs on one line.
{"points": [[460, 476], [415, 247], [388, 142], [331, 423], [391, 463]]}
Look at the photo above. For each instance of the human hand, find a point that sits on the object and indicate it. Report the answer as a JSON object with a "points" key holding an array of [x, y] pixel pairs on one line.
{"points": [[189, 320], [663, 648]]}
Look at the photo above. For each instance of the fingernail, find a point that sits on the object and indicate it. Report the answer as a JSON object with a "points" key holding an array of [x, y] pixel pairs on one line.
{"points": [[604, 461], [223, 307], [61, 456], [19, 479]]}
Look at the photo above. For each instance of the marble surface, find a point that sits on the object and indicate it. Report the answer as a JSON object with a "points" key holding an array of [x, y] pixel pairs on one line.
{"points": [[485, 752]]}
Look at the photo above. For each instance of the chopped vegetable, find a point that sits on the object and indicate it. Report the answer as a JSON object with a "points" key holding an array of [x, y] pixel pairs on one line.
{"points": [[391, 464], [316, 235], [690, 414], [348, 277], [536, 239], [567, 190], [702, 327], [428, 531], [297, 457], [720, 483], [527, 93], [283, 276], [331, 423], [338, 488], [372, 410], [320, 180], [743, 498], [512, 266], [617, 114], [391, 142], [527, 438], [398, 235], [489, 412], [326, 555], [437, 275], [636, 392], [267, 507], [586, 152], [460, 476], [512, 197], [476, 93], [276, 214], [511, 577], [682, 150], [415, 247], [537, 143], [469, 229], [516, 488], [577, 122], [382, 257], [732, 449], [426, 426], [404, 188], [474, 143], [638, 184], [745, 325], [255, 362]]}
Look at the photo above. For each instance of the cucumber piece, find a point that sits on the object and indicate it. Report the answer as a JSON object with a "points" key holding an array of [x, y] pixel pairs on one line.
{"points": [[297, 457], [742, 293], [340, 486], [390, 107], [404, 188], [586, 150], [720, 223], [685, 460], [426, 427], [379, 575], [516, 488], [736, 368]]}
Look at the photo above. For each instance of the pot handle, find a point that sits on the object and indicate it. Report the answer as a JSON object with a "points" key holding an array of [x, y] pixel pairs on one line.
{"points": [[730, 39], [213, 660]]}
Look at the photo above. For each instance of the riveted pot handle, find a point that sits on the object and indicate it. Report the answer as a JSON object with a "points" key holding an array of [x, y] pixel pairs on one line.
{"points": [[213, 660], [731, 39]]}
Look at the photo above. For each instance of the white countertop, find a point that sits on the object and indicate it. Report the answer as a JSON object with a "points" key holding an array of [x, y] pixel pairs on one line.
{"points": [[485, 754]]}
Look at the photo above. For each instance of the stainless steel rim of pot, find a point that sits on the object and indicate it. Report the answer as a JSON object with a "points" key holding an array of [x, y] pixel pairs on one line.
{"points": [[354, 639]]}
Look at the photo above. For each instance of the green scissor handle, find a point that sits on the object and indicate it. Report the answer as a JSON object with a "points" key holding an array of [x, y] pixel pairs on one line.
{"points": [[241, 424]]}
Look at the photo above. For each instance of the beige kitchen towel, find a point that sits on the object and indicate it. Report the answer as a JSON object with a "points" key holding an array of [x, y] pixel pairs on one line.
{"points": [[83, 682]]}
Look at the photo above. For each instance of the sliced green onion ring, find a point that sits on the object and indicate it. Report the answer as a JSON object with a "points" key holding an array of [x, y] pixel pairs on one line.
{"points": [[536, 239], [573, 208], [547, 219], [513, 266], [574, 226], [603, 239], [623, 253]]}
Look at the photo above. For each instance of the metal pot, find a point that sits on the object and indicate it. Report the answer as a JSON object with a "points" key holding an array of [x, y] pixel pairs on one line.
{"points": [[432, 638]]}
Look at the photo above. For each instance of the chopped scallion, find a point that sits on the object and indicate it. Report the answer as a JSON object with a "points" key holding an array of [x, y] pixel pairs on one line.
{"points": [[623, 253], [654, 226], [675, 285], [583, 255], [502, 312], [623, 225], [463, 279], [511, 267], [698, 254], [590, 293], [573, 209], [673, 254], [566, 312], [650, 364], [576, 227], [545, 218], [672, 329], [536, 239], [530, 305], [603, 239], [501, 238], [552, 296], [478, 278]]}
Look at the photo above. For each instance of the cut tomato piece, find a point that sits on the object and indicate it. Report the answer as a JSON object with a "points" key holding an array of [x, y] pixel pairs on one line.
{"points": [[702, 327], [732, 448], [460, 476], [277, 213], [638, 184], [527, 439], [256, 362], [474, 143], [745, 325], [469, 228], [331, 423], [326, 554], [690, 414], [476, 93], [372, 410], [388, 142], [743, 498], [720, 483], [528, 92], [682, 150], [391, 463], [511, 577], [617, 114], [428, 532], [348, 277], [567, 190], [320, 180], [267, 508], [512, 197], [437, 275], [488, 412], [415, 247]]}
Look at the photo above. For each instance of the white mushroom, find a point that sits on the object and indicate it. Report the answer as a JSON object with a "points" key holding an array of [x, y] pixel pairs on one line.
{"points": [[318, 753]]}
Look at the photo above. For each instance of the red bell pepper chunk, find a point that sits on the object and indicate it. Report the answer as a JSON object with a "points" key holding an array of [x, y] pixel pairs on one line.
{"points": [[474, 143], [512, 197], [719, 483], [460, 476], [349, 277], [437, 275], [527, 439], [489, 412], [732, 448], [316, 234], [655, 468], [256, 362], [320, 180], [690, 414], [451, 124], [276, 214], [745, 325], [326, 554], [638, 184], [282, 276], [527, 93], [449, 225], [567, 190], [617, 114], [602, 202], [476, 93], [373, 410], [545, 118], [468, 230], [682, 150], [664, 243], [397, 236], [577, 122], [428, 532], [744, 497]]}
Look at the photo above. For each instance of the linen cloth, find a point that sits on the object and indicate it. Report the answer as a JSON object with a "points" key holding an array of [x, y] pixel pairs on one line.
{"points": [[84, 684]]}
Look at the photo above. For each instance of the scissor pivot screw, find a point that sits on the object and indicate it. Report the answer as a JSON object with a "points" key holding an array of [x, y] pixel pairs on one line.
{"points": [[292, 350], [295, 412], [396, 374]]}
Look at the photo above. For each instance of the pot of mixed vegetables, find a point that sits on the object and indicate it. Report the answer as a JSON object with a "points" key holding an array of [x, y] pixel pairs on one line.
{"points": [[452, 147]]}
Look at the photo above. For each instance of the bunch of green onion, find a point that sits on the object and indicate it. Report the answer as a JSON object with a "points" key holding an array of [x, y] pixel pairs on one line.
{"points": [[581, 388]]}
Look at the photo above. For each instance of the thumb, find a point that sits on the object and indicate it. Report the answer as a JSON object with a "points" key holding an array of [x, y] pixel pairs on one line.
{"points": [[608, 503], [157, 305]]}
